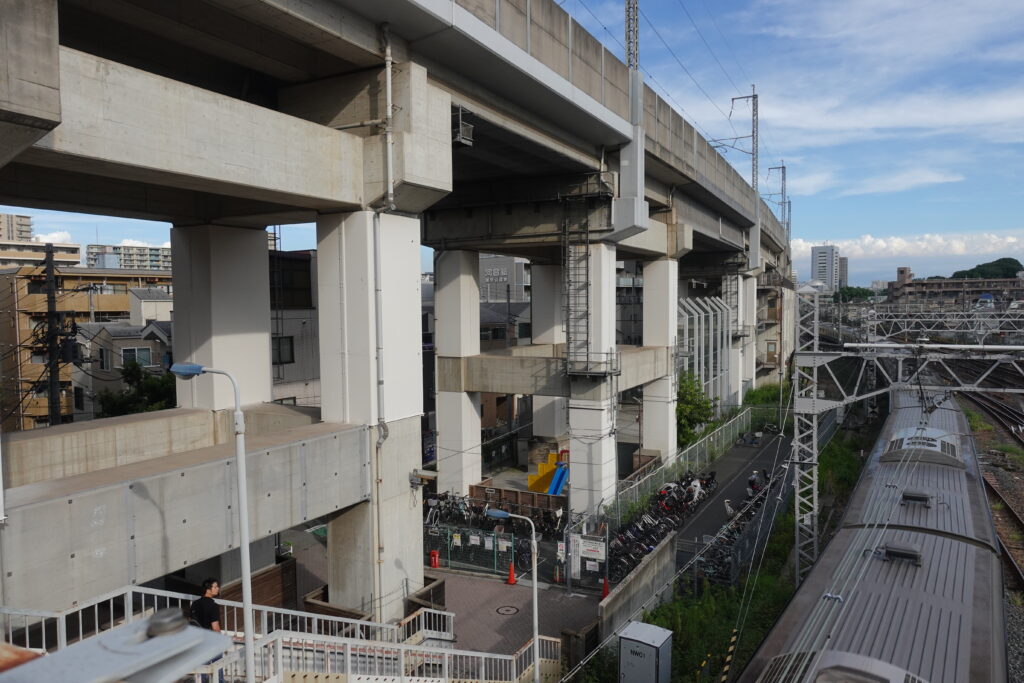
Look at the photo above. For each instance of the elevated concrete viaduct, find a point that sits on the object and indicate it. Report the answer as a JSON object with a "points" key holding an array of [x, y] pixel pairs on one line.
{"points": [[466, 126]]}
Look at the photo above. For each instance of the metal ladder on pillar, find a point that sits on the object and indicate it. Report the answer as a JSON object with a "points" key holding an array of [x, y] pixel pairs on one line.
{"points": [[731, 296], [277, 300], [576, 254]]}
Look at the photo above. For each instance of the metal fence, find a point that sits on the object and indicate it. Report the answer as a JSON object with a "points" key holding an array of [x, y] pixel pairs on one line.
{"points": [[585, 550], [631, 495], [460, 547]]}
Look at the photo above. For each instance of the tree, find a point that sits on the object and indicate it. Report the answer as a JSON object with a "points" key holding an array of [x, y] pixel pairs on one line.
{"points": [[693, 409], [146, 392], [1000, 268], [850, 294]]}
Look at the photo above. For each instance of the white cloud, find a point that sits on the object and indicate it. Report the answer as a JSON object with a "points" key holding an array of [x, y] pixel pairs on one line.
{"points": [[59, 236], [900, 181], [926, 244], [140, 243], [805, 184]]}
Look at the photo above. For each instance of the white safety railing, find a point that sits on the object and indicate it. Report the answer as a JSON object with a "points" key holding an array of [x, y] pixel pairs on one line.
{"points": [[284, 652], [52, 630]]}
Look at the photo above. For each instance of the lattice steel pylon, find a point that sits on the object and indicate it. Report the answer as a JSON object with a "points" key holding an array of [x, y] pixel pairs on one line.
{"points": [[882, 367], [632, 34], [805, 430]]}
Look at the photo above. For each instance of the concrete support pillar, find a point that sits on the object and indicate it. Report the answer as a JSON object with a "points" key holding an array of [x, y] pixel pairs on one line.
{"points": [[550, 416], [602, 297], [547, 321], [347, 319], [547, 310], [375, 549], [222, 313], [457, 335], [592, 453], [592, 450], [661, 305]]}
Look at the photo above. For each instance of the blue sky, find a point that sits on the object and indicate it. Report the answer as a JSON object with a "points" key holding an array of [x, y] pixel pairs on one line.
{"points": [[901, 123]]}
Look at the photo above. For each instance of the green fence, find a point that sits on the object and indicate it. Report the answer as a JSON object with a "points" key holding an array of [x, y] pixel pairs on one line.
{"points": [[467, 548]]}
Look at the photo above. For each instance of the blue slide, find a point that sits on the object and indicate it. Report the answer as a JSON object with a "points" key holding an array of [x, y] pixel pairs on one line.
{"points": [[558, 481]]}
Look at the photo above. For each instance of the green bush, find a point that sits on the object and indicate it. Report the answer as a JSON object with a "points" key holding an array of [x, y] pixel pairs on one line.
{"points": [[839, 465], [976, 421]]}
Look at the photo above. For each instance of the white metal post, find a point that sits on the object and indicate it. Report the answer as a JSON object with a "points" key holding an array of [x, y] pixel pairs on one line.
{"points": [[243, 528]]}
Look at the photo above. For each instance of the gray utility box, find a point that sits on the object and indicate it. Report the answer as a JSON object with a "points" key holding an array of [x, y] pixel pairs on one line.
{"points": [[645, 654]]}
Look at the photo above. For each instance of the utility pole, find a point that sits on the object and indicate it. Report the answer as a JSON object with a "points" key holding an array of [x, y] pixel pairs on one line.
{"points": [[754, 257], [53, 345]]}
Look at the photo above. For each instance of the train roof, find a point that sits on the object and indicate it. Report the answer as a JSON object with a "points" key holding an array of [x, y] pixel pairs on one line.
{"points": [[910, 587]]}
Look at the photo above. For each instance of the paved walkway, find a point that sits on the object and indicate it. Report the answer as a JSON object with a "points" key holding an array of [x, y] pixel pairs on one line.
{"points": [[732, 470], [491, 616]]}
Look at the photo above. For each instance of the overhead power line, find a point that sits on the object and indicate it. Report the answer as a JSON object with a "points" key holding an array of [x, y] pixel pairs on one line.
{"points": [[708, 46]]}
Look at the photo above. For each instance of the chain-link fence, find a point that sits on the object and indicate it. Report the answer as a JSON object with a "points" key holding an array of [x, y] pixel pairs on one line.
{"points": [[471, 549]]}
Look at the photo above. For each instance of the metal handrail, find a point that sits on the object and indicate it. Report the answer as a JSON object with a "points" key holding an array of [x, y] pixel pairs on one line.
{"points": [[49, 630]]}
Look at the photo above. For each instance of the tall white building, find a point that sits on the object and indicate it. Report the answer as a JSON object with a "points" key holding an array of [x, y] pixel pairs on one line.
{"points": [[825, 266]]}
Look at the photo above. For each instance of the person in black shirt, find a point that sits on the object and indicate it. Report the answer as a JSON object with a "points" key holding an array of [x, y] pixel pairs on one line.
{"points": [[205, 612]]}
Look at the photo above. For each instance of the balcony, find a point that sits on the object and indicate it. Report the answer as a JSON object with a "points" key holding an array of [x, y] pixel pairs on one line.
{"points": [[768, 360], [773, 278]]}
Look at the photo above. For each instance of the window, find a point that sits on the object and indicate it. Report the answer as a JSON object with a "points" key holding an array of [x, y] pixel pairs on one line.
{"points": [[282, 350], [485, 335], [39, 357], [140, 355], [498, 333], [104, 358], [79, 398], [525, 331]]}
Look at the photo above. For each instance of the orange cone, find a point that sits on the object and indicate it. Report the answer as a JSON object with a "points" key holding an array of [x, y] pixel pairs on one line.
{"points": [[604, 590], [511, 575]]}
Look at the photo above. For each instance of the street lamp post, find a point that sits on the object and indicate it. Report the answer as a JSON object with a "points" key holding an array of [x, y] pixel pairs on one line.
{"points": [[188, 371], [502, 514]]}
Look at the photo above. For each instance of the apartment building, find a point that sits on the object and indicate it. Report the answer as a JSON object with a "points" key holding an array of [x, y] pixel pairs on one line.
{"points": [[27, 253], [14, 228], [127, 256], [83, 295]]}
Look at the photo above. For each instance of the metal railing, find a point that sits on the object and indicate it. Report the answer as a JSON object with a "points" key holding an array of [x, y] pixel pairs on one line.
{"points": [[53, 630], [286, 652]]}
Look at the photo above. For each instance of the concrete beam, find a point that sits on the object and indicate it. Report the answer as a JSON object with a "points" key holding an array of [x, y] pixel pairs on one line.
{"points": [[134, 523], [29, 75], [505, 373], [167, 133], [422, 129]]}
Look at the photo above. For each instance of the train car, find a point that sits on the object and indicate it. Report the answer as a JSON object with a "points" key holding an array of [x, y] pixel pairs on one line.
{"points": [[910, 589]]}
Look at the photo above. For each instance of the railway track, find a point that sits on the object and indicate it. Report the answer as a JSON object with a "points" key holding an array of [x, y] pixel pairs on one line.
{"points": [[1011, 419], [1009, 528]]}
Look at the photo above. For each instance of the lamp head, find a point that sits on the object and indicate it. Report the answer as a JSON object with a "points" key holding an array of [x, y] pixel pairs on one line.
{"points": [[187, 370], [497, 514]]}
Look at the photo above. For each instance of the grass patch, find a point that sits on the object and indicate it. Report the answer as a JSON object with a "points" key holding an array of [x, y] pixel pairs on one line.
{"points": [[766, 394], [839, 466], [998, 505], [1015, 598], [976, 421], [1016, 536], [1010, 449]]}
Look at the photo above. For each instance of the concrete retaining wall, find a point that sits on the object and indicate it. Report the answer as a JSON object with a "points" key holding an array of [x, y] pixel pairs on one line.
{"points": [[654, 572]]}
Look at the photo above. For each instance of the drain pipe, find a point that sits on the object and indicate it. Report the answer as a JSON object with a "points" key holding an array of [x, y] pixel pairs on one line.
{"points": [[378, 308]]}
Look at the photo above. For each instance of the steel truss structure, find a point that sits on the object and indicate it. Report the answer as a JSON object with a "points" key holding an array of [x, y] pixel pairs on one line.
{"points": [[885, 324], [828, 380]]}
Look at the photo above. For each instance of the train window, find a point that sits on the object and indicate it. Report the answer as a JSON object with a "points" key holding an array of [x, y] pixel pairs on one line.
{"points": [[895, 445], [948, 448]]}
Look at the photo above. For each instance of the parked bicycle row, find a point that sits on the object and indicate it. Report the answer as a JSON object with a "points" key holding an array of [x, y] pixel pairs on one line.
{"points": [[667, 511], [456, 510], [721, 562]]}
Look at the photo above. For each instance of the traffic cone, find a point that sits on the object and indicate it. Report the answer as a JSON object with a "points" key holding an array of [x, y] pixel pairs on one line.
{"points": [[511, 575], [604, 590]]}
